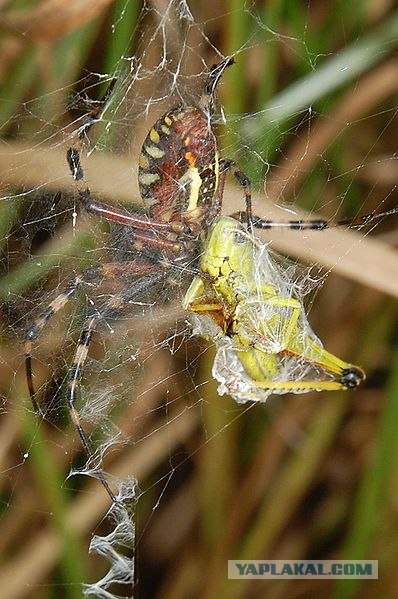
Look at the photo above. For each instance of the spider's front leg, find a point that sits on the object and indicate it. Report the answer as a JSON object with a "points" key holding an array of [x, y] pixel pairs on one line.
{"points": [[315, 224]]}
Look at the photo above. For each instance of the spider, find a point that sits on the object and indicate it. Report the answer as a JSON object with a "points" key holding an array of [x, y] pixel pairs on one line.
{"points": [[181, 181]]}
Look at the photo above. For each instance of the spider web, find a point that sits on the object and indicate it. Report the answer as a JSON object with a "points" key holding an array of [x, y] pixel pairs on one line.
{"points": [[312, 116]]}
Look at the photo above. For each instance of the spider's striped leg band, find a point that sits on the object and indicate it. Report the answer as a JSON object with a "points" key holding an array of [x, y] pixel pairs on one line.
{"points": [[36, 328], [316, 224], [74, 377]]}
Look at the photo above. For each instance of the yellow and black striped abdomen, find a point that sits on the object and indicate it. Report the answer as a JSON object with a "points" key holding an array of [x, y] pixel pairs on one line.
{"points": [[178, 166]]}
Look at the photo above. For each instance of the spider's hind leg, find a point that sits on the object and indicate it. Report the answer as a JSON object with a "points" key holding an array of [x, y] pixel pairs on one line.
{"points": [[75, 372], [109, 271], [113, 307]]}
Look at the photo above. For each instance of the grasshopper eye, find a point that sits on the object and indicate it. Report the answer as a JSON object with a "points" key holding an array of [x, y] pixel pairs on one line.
{"points": [[239, 238]]}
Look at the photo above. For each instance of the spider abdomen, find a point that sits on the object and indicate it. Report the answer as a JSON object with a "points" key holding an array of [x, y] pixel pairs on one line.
{"points": [[179, 167]]}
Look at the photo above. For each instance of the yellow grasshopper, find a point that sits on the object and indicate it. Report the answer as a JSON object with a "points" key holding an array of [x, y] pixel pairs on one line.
{"points": [[244, 301]]}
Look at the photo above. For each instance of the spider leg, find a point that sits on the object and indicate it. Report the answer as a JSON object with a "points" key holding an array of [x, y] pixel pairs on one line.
{"points": [[206, 101], [363, 220], [36, 328], [74, 377], [114, 305], [318, 224], [105, 271], [110, 213], [227, 166]]}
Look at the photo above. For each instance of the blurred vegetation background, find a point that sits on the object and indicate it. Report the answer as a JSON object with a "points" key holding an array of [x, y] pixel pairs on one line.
{"points": [[304, 477]]}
